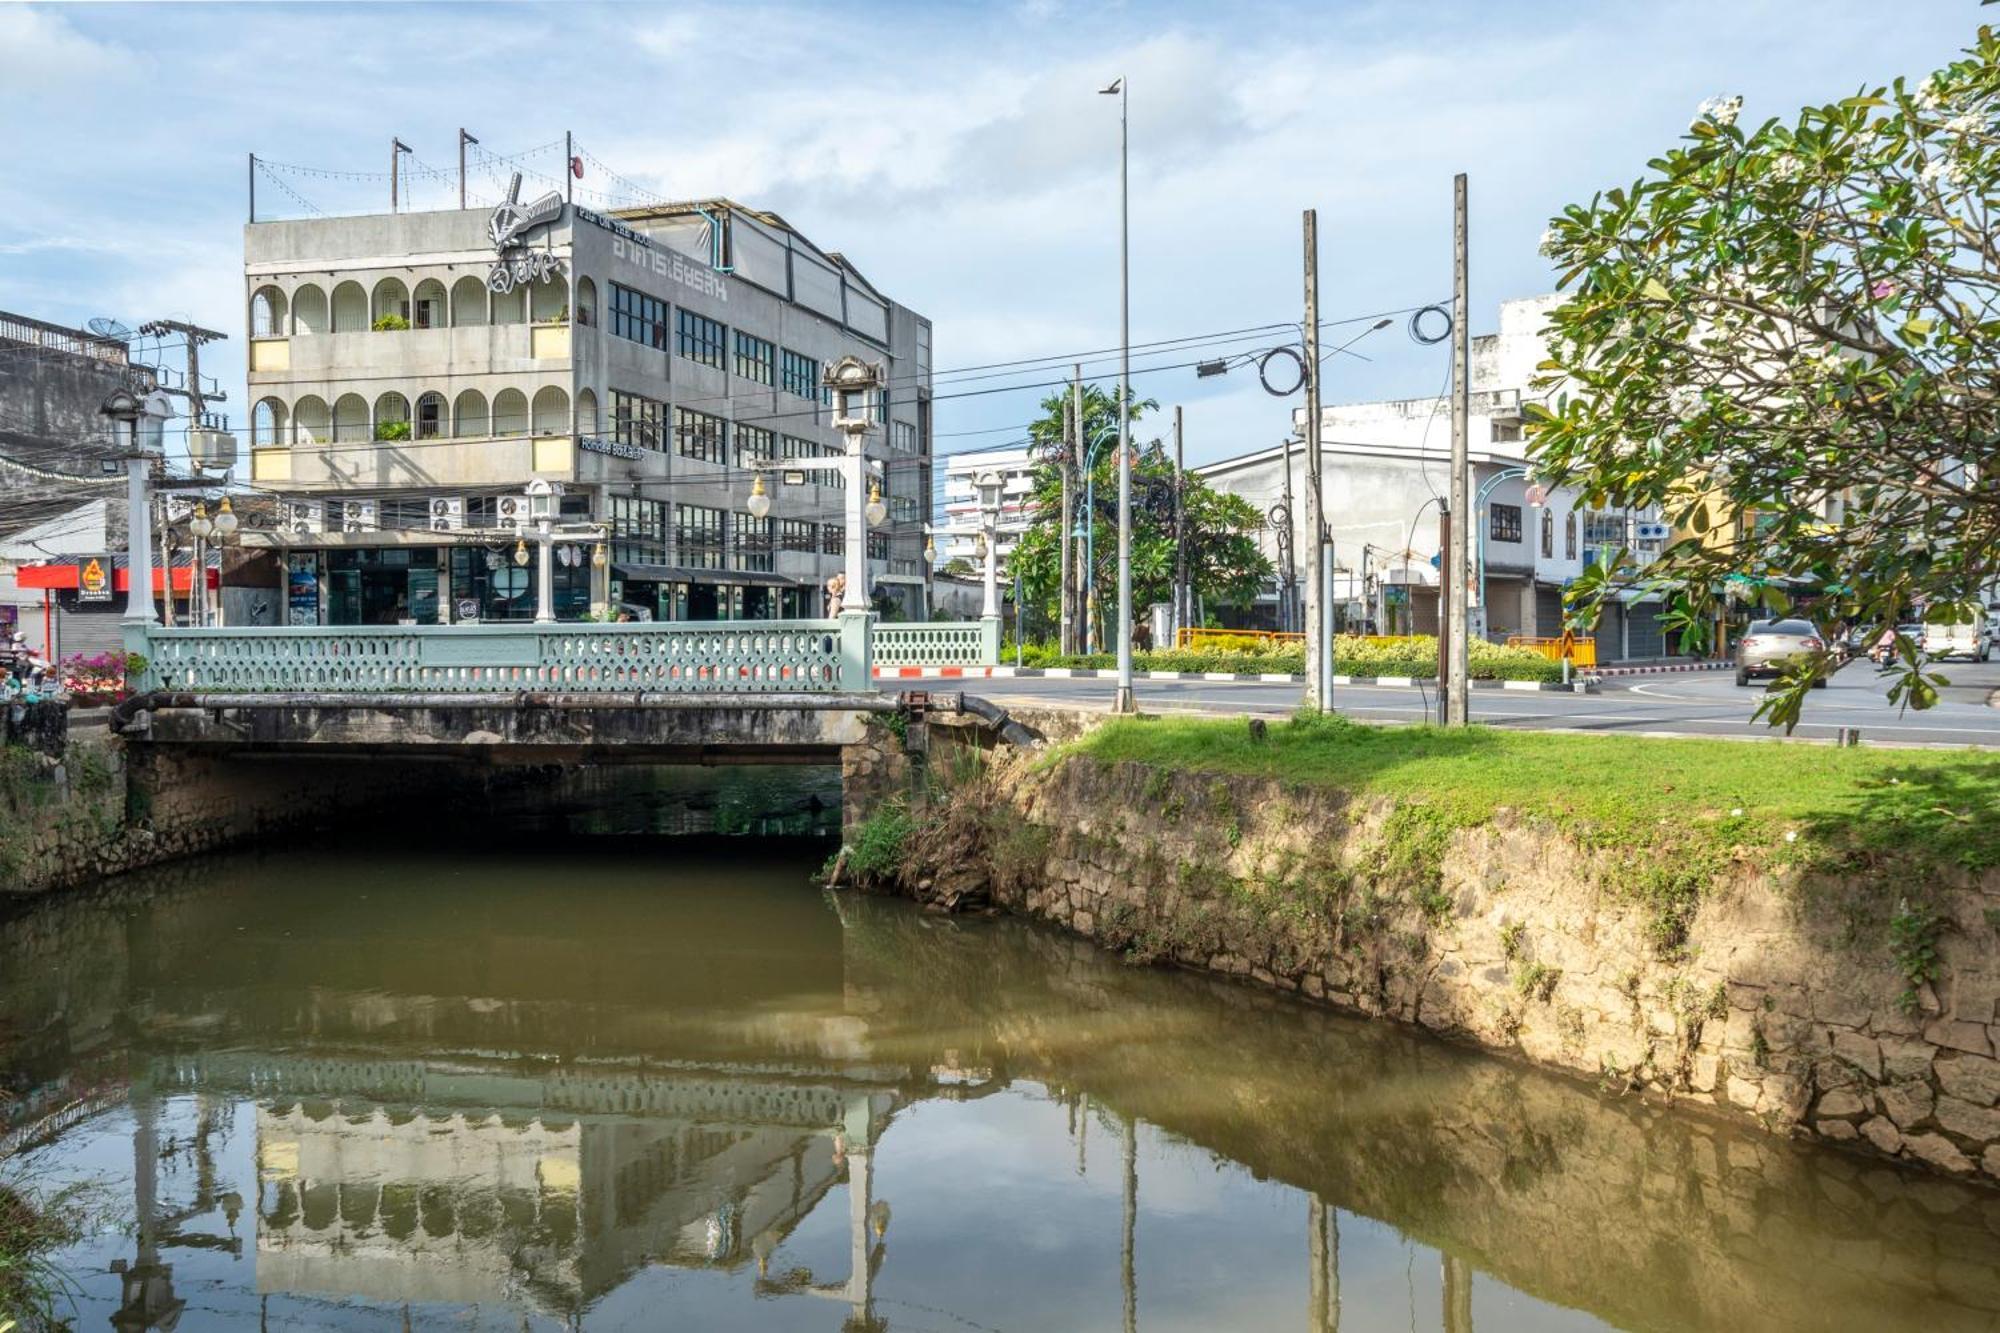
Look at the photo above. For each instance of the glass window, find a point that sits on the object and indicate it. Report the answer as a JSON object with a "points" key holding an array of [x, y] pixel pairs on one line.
{"points": [[797, 534], [832, 539], [833, 476], [903, 437], [1506, 523], [636, 420], [756, 359], [701, 339], [699, 435], [698, 536], [638, 530], [754, 444], [1569, 535], [878, 546], [637, 316], [753, 543], [1548, 534], [801, 375]]}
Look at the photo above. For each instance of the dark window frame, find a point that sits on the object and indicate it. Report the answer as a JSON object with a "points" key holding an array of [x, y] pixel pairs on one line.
{"points": [[699, 339], [638, 317], [1503, 523]]}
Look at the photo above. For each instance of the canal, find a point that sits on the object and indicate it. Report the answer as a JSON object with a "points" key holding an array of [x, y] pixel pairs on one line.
{"points": [[618, 1063]]}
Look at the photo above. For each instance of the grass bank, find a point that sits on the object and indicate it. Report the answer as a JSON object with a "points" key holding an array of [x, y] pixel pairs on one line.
{"points": [[1352, 657], [1792, 801]]}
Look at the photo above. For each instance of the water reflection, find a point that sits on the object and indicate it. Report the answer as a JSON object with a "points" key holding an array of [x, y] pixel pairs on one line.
{"points": [[631, 1083]]}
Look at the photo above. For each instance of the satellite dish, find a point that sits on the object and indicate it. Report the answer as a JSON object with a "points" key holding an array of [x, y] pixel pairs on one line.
{"points": [[104, 327]]}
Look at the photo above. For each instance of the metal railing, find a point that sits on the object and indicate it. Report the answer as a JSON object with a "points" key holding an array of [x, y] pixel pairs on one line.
{"points": [[38, 333], [705, 657], [938, 643], [1583, 652]]}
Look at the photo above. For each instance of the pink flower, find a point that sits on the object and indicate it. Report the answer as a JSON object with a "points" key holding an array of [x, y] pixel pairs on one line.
{"points": [[1882, 290]]}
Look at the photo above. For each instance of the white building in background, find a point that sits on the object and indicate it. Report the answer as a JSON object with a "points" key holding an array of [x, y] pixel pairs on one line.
{"points": [[957, 534], [1387, 471]]}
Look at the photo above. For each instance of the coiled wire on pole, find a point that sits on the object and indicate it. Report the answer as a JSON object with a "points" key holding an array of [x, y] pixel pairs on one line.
{"points": [[1423, 337]]}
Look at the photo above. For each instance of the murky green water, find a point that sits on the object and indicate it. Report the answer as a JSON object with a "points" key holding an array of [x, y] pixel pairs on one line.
{"points": [[540, 1079]]}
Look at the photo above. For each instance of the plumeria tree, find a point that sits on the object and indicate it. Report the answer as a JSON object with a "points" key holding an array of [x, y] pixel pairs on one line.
{"points": [[1788, 337]]}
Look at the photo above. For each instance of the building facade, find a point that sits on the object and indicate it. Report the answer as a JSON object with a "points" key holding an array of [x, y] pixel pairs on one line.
{"points": [[957, 535], [412, 375]]}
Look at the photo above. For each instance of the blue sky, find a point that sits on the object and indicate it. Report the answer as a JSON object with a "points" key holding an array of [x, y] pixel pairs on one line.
{"points": [[956, 152]]}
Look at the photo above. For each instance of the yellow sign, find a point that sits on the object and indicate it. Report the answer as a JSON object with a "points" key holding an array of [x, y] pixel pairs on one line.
{"points": [[93, 579]]}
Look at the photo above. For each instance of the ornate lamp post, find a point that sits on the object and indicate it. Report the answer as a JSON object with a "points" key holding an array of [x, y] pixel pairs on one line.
{"points": [[989, 540], [542, 513], [125, 408]]}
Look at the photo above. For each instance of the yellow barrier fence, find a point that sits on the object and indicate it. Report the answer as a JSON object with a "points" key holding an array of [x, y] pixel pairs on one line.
{"points": [[1583, 652]]}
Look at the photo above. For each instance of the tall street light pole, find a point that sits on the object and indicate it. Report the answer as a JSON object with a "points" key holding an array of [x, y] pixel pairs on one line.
{"points": [[1124, 702], [1455, 568], [1318, 677]]}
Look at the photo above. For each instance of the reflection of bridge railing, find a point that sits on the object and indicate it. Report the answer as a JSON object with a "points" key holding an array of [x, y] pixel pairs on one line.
{"points": [[687, 657]]}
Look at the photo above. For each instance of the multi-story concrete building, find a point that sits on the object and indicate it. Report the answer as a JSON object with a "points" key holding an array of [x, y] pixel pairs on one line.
{"points": [[412, 374], [957, 536]]}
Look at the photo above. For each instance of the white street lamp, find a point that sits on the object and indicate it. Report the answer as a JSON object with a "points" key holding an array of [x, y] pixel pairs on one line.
{"points": [[877, 511], [759, 503], [989, 540], [199, 527], [225, 520], [125, 408], [1124, 702]]}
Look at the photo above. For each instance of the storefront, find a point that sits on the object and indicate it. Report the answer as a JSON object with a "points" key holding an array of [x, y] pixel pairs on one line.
{"points": [[669, 592], [429, 585], [83, 603]]}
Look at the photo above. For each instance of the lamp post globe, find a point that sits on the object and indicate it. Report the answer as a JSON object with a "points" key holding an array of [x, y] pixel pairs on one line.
{"points": [[226, 521], [759, 503], [200, 525], [876, 511]]}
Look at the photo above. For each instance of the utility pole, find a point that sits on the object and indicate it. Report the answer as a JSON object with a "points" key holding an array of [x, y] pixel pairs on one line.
{"points": [[1072, 428], [1124, 701], [569, 167], [1287, 582], [396, 150], [253, 187], [1458, 707], [192, 337], [463, 140], [1180, 533], [1316, 608]]}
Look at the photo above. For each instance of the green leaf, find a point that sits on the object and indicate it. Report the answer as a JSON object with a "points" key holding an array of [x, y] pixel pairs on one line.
{"points": [[1657, 290]]}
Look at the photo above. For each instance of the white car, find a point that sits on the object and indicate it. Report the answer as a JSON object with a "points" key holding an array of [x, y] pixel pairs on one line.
{"points": [[1971, 638]]}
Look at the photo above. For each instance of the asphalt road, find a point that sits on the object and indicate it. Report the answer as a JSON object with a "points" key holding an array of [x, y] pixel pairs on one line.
{"points": [[1704, 703]]}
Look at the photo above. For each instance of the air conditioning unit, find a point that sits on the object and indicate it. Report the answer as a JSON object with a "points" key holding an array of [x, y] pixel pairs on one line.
{"points": [[357, 516], [300, 518], [447, 512], [511, 512], [211, 449]]}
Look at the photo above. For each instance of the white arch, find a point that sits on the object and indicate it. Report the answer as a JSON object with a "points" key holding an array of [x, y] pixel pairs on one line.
{"points": [[350, 308], [350, 418], [267, 313], [510, 412], [468, 302], [309, 309], [433, 417], [468, 415], [586, 301], [551, 411], [312, 423], [549, 300], [586, 413], [390, 297], [511, 307], [267, 423], [427, 305], [392, 408]]}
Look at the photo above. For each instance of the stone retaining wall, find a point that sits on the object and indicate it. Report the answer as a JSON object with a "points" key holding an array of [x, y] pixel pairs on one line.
{"points": [[1784, 1004]]}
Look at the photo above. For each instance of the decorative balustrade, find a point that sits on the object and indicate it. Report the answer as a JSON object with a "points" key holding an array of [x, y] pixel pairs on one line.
{"points": [[706, 657], [938, 643]]}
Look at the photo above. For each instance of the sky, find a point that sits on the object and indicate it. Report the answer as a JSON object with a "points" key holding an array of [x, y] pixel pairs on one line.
{"points": [[957, 153]]}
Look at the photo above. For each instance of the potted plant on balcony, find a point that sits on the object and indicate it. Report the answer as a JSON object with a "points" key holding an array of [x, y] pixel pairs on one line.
{"points": [[390, 323], [392, 430]]}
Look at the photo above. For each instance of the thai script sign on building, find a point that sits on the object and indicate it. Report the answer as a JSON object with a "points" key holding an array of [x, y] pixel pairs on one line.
{"points": [[509, 225]]}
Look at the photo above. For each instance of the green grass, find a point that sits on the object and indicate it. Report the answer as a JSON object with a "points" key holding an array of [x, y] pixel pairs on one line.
{"points": [[1697, 802]]}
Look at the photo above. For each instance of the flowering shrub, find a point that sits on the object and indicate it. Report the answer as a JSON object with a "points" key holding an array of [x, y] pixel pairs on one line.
{"points": [[99, 677]]}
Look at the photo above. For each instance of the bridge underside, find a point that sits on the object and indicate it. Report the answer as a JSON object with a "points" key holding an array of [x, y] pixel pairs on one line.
{"points": [[517, 728]]}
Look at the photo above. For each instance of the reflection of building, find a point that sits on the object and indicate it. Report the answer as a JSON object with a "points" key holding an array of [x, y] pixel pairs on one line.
{"points": [[412, 373]]}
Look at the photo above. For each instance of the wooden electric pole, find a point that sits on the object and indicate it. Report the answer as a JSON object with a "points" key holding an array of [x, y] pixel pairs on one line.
{"points": [[1316, 608], [1455, 570], [1071, 429], [463, 140]]}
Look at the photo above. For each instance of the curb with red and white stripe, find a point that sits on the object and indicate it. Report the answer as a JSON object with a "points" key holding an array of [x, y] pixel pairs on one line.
{"points": [[1661, 666], [1581, 686]]}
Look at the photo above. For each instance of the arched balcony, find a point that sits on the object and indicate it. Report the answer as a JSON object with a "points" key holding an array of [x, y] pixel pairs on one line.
{"points": [[392, 417], [549, 301], [267, 424], [427, 306], [309, 309], [586, 301], [432, 415], [350, 419], [551, 411], [586, 413], [350, 308], [468, 415], [267, 313], [511, 307], [468, 302], [312, 423], [390, 303], [510, 412]]}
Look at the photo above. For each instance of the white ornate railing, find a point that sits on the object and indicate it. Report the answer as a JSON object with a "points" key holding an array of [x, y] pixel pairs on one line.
{"points": [[708, 657], [938, 643]]}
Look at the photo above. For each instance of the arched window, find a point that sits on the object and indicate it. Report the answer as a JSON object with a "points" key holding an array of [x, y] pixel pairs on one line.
{"points": [[392, 417], [311, 422], [586, 413], [350, 418], [390, 303], [511, 307], [551, 411], [350, 308], [1548, 534], [267, 424], [431, 418], [468, 302], [549, 301], [428, 310], [586, 301], [1569, 535], [309, 310], [510, 412], [468, 417], [267, 313]]}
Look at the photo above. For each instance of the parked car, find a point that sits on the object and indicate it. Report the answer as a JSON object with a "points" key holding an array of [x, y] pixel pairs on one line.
{"points": [[1971, 638], [1768, 645]]}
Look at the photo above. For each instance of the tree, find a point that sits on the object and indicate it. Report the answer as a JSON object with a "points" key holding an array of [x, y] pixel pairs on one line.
{"points": [[1789, 339], [1224, 564]]}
